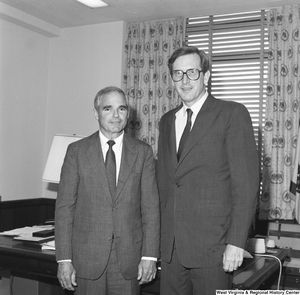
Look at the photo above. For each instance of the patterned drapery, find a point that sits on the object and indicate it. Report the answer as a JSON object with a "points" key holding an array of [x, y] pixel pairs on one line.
{"points": [[282, 113], [146, 79]]}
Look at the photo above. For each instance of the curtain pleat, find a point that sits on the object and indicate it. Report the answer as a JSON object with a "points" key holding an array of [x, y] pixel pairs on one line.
{"points": [[146, 79], [282, 113]]}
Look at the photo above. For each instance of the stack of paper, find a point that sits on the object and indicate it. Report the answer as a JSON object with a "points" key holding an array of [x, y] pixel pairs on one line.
{"points": [[25, 234], [26, 231], [49, 245]]}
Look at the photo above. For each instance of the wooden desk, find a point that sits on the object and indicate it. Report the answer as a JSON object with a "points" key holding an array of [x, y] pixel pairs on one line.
{"points": [[254, 272], [34, 270], [16, 256]]}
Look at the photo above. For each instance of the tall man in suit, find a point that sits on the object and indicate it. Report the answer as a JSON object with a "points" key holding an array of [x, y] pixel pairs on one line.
{"points": [[107, 231], [207, 186]]}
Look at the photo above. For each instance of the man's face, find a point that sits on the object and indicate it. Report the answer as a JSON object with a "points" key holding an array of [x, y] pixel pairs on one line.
{"points": [[190, 91], [113, 114]]}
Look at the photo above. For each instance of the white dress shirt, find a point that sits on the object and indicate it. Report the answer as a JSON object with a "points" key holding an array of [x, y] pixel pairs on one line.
{"points": [[117, 148], [181, 117]]}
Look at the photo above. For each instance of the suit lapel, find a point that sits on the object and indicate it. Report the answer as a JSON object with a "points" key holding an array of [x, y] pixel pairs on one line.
{"points": [[95, 156], [204, 119], [171, 139], [129, 155]]}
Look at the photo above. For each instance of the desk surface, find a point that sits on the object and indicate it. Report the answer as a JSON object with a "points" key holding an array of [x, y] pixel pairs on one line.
{"points": [[18, 256], [254, 272]]}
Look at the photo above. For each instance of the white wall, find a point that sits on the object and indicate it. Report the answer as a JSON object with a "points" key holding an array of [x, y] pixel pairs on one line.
{"points": [[82, 61], [24, 59], [47, 86]]}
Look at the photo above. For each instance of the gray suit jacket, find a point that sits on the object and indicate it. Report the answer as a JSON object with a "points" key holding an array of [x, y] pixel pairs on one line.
{"points": [[208, 197], [86, 218]]}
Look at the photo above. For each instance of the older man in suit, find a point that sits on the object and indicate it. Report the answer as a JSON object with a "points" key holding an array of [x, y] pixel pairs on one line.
{"points": [[107, 211], [208, 179]]}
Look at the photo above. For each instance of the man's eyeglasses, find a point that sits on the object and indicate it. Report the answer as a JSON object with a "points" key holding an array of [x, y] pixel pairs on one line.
{"points": [[192, 74]]}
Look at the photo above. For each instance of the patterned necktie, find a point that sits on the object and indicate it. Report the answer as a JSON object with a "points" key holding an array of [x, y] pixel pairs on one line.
{"points": [[185, 133], [110, 165]]}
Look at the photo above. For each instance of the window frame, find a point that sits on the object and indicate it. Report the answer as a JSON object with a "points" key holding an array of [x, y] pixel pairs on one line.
{"points": [[232, 42]]}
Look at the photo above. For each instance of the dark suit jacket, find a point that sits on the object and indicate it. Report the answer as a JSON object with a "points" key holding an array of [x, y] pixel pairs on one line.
{"points": [[86, 217], [208, 197]]}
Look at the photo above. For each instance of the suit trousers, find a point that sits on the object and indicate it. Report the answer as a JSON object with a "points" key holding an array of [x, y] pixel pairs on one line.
{"points": [[179, 280], [111, 282]]}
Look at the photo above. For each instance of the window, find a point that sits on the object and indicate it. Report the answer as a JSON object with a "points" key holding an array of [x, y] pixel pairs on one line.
{"points": [[237, 45]]}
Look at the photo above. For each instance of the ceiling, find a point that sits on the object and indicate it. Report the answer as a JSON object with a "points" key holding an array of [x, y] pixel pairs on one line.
{"points": [[70, 13]]}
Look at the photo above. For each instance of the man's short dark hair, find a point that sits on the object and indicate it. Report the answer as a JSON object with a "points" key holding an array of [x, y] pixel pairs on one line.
{"points": [[185, 50]]}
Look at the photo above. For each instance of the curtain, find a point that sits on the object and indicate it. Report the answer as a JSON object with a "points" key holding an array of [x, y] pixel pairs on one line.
{"points": [[282, 113], [146, 79]]}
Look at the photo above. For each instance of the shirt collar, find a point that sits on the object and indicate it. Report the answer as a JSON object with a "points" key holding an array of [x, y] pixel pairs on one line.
{"points": [[118, 141], [196, 106]]}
